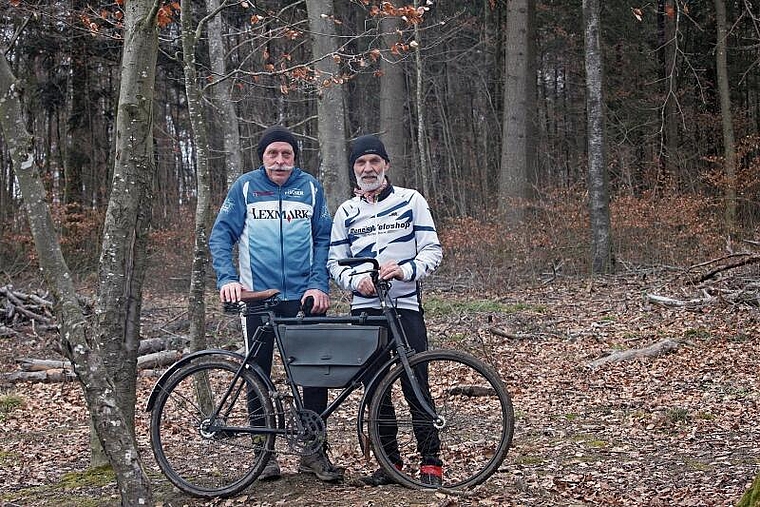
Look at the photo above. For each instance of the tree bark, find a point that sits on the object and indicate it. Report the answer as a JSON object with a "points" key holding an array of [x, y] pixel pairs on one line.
{"points": [[667, 34], [392, 91], [122, 257], [729, 147], [517, 153], [196, 306], [333, 170], [79, 127], [78, 342], [657, 349], [599, 197], [425, 171], [221, 91]]}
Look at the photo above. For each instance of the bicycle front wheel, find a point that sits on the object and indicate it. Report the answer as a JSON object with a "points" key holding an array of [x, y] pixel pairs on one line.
{"points": [[472, 436], [208, 458]]}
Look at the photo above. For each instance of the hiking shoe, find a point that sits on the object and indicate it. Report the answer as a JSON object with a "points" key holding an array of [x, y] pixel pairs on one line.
{"points": [[431, 475], [321, 466], [378, 478], [271, 471]]}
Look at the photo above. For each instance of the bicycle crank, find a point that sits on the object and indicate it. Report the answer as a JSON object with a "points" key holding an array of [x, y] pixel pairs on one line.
{"points": [[305, 432]]}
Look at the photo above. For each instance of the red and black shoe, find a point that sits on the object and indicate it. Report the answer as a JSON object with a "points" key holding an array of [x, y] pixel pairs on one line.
{"points": [[431, 475]]}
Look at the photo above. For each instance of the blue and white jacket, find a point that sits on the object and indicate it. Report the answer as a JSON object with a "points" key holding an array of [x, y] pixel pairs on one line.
{"points": [[283, 234], [398, 227]]}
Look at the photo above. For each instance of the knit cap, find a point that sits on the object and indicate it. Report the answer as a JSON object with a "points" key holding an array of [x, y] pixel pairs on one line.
{"points": [[365, 145], [273, 135]]}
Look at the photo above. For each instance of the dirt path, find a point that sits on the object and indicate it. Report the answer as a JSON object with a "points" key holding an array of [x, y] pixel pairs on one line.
{"points": [[680, 429]]}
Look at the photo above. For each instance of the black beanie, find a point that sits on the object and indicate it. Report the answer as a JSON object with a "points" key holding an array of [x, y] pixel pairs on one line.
{"points": [[275, 134], [364, 145]]}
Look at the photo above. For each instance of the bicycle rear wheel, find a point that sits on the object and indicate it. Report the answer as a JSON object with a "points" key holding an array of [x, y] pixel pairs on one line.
{"points": [[476, 409], [208, 463]]}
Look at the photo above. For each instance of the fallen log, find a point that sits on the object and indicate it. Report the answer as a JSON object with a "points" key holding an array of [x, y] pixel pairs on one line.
{"points": [[660, 348], [30, 306], [691, 303], [27, 364], [54, 375], [52, 370], [152, 345], [506, 334], [744, 260], [157, 359], [7, 331]]}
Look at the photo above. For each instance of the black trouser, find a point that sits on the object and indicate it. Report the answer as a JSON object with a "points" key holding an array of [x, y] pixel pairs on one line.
{"points": [[428, 443], [314, 398]]}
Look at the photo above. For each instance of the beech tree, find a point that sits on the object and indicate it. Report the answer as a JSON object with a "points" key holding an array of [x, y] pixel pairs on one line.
{"points": [[196, 307], [599, 196], [392, 89], [102, 347], [729, 148], [330, 110], [224, 112], [517, 149]]}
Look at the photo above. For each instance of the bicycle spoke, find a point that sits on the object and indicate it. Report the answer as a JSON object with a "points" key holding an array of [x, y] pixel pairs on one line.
{"points": [[196, 460], [477, 414]]}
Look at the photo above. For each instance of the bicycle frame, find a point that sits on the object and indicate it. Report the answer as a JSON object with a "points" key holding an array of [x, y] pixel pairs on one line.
{"points": [[397, 348]]}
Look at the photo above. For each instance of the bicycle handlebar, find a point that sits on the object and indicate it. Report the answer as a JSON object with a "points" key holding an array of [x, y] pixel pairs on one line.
{"points": [[355, 261], [247, 296]]}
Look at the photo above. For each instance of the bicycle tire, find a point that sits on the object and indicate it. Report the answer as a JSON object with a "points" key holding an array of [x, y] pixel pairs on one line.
{"points": [[202, 464], [479, 421]]}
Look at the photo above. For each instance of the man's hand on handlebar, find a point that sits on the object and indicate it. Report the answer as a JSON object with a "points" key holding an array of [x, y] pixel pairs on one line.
{"points": [[387, 271], [391, 270], [365, 287], [230, 292], [321, 301]]}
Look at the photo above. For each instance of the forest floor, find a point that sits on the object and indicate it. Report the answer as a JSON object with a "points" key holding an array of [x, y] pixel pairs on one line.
{"points": [[675, 430]]}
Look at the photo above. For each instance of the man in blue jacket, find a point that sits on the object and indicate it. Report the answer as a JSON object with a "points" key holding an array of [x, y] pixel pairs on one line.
{"points": [[278, 216]]}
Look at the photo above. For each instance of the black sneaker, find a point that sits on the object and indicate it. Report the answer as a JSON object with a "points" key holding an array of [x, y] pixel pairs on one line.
{"points": [[431, 475], [271, 471], [378, 478], [321, 466]]}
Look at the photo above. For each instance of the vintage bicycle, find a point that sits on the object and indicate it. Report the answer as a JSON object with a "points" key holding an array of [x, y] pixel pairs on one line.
{"points": [[215, 415]]}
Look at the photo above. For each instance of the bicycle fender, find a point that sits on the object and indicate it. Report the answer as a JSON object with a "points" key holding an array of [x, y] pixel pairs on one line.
{"points": [[182, 362], [369, 390]]}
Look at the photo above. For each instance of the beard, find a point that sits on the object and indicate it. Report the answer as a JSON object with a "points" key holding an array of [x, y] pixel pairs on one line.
{"points": [[369, 186]]}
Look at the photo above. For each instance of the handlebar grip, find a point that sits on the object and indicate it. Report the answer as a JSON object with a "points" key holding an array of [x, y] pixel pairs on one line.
{"points": [[355, 261], [308, 305]]}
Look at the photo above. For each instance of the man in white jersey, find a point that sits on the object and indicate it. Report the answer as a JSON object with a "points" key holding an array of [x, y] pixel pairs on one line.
{"points": [[393, 225]]}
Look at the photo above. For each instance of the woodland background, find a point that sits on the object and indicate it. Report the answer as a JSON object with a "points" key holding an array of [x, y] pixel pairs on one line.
{"points": [[484, 107], [663, 119]]}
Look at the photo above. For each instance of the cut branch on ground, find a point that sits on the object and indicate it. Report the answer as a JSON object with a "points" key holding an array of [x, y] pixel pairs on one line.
{"points": [[655, 350]]}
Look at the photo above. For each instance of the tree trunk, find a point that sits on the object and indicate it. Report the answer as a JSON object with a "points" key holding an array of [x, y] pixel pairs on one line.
{"points": [[77, 340], [333, 171], [598, 186], [729, 148], [224, 108], [78, 148], [424, 162], [517, 152], [196, 307], [122, 257], [392, 89], [667, 21]]}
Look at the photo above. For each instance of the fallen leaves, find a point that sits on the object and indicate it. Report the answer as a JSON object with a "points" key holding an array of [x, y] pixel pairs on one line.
{"points": [[674, 430]]}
